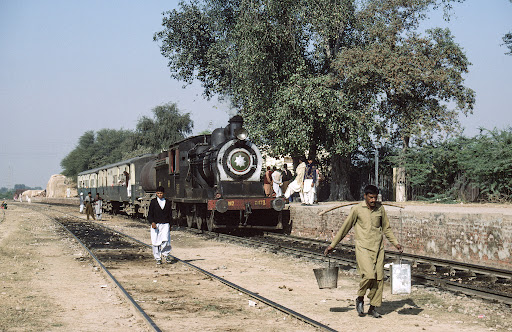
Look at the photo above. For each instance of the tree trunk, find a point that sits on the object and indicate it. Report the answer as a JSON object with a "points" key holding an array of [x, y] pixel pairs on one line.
{"points": [[340, 187]]}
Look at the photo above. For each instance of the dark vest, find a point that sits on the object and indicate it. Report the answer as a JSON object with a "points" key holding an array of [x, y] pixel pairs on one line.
{"points": [[157, 215]]}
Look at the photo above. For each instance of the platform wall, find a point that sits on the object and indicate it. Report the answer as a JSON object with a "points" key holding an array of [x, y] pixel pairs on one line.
{"points": [[448, 233]]}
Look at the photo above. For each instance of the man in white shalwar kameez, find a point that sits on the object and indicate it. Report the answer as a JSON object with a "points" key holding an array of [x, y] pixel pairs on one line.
{"points": [[160, 217], [98, 206], [297, 184], [277, 181], [82, 203]]}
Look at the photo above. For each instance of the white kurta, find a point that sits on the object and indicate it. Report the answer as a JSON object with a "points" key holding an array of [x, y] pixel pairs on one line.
{"points": [[98, 208], [277, 181], [161, 240]]}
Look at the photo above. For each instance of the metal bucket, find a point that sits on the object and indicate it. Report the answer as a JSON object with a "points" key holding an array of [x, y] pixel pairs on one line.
{"points": [[327, 277]]}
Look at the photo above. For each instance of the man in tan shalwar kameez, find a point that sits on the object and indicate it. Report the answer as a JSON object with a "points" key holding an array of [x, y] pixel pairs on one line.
{"points": [[370, 222]]}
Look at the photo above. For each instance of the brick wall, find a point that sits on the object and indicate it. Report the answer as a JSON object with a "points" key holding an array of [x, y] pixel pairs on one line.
{"points": [[473, 235]]}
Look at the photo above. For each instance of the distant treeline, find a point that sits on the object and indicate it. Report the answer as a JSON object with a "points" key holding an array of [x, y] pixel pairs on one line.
{"points": [[8, 193], [106, 146], [461, 168]]}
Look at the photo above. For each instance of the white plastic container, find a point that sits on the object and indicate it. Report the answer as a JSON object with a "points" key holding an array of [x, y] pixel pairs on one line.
{"points": [[400, 278]]}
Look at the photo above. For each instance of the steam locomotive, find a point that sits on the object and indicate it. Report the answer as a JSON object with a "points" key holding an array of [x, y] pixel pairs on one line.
{"points": [[213, 182]]}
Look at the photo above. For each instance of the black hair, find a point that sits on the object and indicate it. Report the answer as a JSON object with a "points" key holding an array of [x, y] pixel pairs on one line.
{"points": [[371, 189], [160, 189], [89, 193]]}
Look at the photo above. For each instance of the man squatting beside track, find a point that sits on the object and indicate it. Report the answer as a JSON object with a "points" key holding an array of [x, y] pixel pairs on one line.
{"points": [[160, 217], [370, 222]]}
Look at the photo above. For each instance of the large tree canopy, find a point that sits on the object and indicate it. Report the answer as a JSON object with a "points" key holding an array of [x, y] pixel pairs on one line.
{"points": [[416, 76], [309, 75], [167, 126]]}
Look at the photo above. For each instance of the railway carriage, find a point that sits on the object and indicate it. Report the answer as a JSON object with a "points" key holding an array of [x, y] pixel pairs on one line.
{"points": [[118, 184], [213, 181]]}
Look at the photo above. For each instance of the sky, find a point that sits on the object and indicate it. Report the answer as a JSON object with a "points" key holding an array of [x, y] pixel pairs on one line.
{"points": [[70, 66]]}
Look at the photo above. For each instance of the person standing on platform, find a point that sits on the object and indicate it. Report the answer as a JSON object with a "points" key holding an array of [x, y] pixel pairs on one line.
{"points": [[297, 184], [277, 182], [88, 206], [267, 182], [98, 206], [287, 177], [370, 222], [160, 217], [310, 179]]}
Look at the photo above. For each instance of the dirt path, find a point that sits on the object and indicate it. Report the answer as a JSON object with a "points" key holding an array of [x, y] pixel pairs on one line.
{"points": [[47, 283]]}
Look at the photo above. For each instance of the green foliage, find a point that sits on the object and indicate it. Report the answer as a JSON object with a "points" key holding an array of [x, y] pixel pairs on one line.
{"points": [[416, 76], [487, 161], [6, 194], [96, 149], [433, 167], [109, 145], [440, 170], [166, 126], [306, 78], [507, 40]]}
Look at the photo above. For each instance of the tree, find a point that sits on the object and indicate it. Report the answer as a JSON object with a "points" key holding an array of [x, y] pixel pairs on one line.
{"points": [[416, 76], [507, 40], [96, 149], [167, 126], [442, 169], [282, 63]]}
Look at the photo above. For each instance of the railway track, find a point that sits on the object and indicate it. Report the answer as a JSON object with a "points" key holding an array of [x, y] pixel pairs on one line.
{"points": [[101, 241], [471, 279]]}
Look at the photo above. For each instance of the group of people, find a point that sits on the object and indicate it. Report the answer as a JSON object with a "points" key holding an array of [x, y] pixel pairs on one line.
{"points": [[278, 182], [368, 218], [93, 206]]}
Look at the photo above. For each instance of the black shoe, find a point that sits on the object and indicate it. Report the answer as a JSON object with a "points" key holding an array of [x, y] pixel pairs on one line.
{"points": [[360, 307], [372, 312]]}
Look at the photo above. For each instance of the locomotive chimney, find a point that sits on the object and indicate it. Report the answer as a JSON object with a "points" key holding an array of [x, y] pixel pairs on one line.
{"points": [[235, 123]]}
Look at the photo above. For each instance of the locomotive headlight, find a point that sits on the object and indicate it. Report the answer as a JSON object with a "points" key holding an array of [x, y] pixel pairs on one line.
{"points": [[278, 204], [241, 134], [221, 205]]}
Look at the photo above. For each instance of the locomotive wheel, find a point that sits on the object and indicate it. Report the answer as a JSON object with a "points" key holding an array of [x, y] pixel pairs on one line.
{"points": [[200, 217], [190, 217], [210, 221]]}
